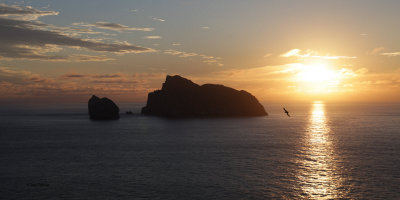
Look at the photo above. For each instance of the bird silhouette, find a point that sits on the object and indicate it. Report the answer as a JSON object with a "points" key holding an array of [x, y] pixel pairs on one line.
{"points": [[287, 112]]}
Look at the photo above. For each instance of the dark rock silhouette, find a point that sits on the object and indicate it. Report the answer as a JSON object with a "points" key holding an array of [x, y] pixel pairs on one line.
{"points": [[129, 113], [102, 109], [180, 97]]}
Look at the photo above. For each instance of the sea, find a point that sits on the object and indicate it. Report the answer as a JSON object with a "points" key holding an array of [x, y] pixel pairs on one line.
{"points": [[323, 151]]}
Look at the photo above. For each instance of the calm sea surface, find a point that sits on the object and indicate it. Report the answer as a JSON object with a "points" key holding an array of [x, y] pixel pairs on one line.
{"points": [[324, 151]]}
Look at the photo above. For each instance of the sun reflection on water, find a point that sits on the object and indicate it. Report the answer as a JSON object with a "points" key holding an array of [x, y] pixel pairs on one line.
{"points": [[317, 173]]}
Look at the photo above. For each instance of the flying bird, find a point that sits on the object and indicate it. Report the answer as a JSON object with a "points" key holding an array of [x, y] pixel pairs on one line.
{"points": [[287, 112]]}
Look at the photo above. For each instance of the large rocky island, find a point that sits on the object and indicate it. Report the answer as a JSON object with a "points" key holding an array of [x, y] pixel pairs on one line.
{"points": [[180, 97], [102, 109]]}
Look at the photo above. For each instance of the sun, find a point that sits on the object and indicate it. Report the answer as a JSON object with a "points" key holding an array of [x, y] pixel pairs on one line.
{"points": [[316, 73], [316, 78]]}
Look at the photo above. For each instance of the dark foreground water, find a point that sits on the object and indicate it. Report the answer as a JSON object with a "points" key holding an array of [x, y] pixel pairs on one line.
{"points": [[324, 151]]}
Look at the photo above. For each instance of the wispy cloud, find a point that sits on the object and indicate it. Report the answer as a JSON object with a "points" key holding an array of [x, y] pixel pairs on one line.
{"points": [[153, 37], [391, 54], [112, 26], [173, 52], [21, 77], [25, 84], [158, 19], [205, 27], [313, 54], [85, 58], [94, 76], [181, 54], [23, 12], [376, 50], [267, 55], [293, 52], [205, 58]]}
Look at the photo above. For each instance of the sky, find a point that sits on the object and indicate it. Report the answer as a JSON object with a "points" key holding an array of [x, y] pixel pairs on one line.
{"points": [[57, 51]]}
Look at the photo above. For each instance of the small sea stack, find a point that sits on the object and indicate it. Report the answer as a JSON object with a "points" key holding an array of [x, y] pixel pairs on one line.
{"points": [[102, 109], [181, 98], [129, 112]]}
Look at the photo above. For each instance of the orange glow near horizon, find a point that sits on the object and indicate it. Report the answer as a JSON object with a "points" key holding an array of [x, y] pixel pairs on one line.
{"points": [[273, 55]]}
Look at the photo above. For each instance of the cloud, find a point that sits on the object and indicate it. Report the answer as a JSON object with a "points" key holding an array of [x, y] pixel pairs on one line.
{"points": [[205, 58], [42, 53], [296, 68], [173, 52], [267, 55], [72, 76], [205, 27], [181, 54], [22, 84], [313, 54], [94, 76], [376, 50], [24, 13], [153, 37], [21, 39], [86, 58], [293, 52], [21, 76], [112, 26], [158, 19], [391, 54]]}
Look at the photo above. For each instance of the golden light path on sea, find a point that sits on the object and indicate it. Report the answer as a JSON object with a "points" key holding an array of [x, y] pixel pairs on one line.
{"points": [[318, 174]]}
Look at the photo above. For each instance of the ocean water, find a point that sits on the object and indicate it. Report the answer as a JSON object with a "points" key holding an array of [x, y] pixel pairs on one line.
{"points": [[324, 151]]}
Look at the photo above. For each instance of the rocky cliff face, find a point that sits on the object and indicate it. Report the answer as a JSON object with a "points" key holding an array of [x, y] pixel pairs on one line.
{"points": [[180, 97], [102, 109]]}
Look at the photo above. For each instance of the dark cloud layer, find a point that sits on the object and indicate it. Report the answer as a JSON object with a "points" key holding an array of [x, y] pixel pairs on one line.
{"points": [[26, 39], [102, 76]]}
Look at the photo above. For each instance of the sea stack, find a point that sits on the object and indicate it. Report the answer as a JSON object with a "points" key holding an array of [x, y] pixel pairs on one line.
{"points": [[180, 97], [102, 109]]}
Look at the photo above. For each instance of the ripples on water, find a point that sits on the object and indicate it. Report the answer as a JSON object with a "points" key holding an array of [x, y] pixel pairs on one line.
{"points": [[318, 174], [324, 151]]}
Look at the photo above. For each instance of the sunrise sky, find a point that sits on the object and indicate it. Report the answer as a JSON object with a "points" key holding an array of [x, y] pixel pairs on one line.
{"points": [[278, 50]]}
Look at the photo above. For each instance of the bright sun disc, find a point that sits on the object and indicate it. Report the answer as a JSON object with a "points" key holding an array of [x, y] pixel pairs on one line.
{"points": [[317, 78], [316, 73]]}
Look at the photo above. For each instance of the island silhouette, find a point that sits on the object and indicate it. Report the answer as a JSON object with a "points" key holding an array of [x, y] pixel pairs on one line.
{"points": [[180, 97], [102, 109]]}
